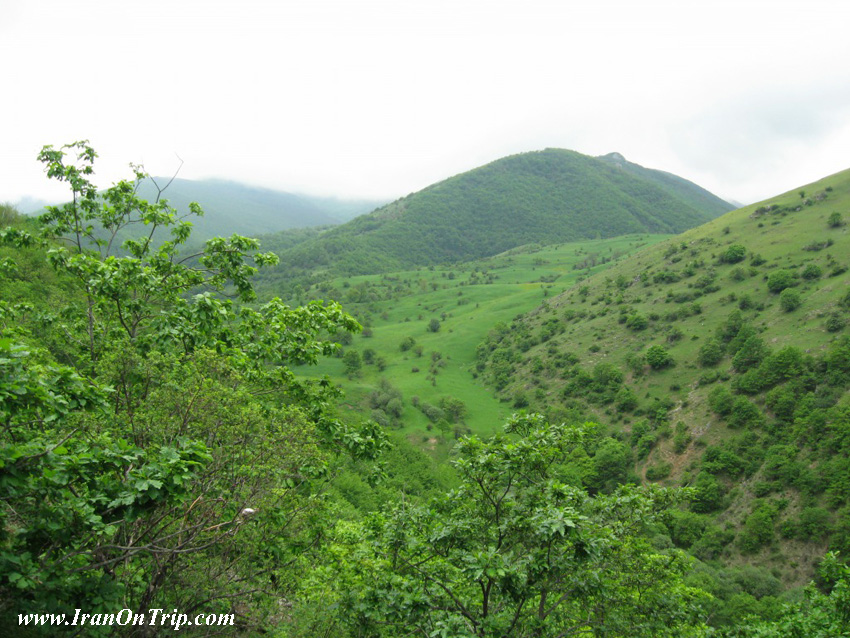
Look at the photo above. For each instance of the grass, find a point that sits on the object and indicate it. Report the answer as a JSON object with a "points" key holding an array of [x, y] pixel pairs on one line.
{"points": [[469, 300]]}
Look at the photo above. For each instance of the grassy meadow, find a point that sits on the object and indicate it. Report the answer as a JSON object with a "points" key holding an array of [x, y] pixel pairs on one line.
{"points": [[468, 300]]}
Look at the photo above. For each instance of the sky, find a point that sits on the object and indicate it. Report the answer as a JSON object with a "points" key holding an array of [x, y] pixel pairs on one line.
{"points": [[380, 98]]}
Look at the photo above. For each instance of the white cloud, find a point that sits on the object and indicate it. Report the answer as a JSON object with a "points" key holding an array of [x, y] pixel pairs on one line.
{"points": [[383, 98]]}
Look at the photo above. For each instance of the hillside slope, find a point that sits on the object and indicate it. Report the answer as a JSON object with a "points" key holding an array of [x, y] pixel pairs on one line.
{"points": [[546, 197], [720, 359], [677, 186]]}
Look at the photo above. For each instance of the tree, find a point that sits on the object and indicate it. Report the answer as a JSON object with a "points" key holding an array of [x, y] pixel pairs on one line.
{"points": [[710, 353], [637, 322], [790, 300], [780, 280], [734, 253], [835, 220], [159, 463], [824, 612], [455, 409], [751, 353], [352, 362], [434, 325], [514, 551], [658, 358]]}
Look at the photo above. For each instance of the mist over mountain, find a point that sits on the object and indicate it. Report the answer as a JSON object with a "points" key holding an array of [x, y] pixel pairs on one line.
{"points": [[232, 207]]}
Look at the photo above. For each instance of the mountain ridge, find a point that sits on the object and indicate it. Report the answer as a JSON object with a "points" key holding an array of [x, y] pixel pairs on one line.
{"points": [[548, 196]]}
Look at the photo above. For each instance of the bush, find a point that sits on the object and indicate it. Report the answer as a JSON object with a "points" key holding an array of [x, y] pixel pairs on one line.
{"points": [[790, 300], [814, 523], [835, 322], [751, 353], [738, 274], [744, 414], [734, 254], [780, 280], [720, 399], [637, 322], [686, 528], [812, 271], [758, 528], [626, 400], [657, 357], [708, 494], [454, 409], [835, 220], [711, 353], [658, 471], [434, 325]]}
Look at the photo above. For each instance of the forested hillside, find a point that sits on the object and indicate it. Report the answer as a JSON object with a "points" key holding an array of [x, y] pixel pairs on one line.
{"points": [[549, 196], [720, 360]]}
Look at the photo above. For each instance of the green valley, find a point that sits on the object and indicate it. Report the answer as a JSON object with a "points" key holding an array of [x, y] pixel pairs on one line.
{"points": [[429, 362]]}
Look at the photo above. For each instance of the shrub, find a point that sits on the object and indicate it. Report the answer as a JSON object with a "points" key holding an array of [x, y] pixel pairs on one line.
{"points": [[835, 322], [637, 322], [835, 220], [658, 471], [812, 271], [657, 357], [751, 353], [744, 414], [352, 361], [681, 442], [734, 254], [666, 277], [710, 353], [790, 300], [738, 274], [814, 523], [758, 528], [686, 528], [454, 409], [708, 494], [720, 399], [626, 400], [780, 280], [434, 325]]}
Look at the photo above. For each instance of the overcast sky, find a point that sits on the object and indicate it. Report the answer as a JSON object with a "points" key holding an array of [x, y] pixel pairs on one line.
{"points": [[381, 98]]}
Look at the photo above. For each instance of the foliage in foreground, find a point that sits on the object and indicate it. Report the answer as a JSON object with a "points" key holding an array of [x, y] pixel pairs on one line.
{"points": [[518, 549], [156, 449]]}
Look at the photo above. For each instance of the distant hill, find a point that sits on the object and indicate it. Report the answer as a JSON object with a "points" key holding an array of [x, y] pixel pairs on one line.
{"points": [[232, 207], [541, 197], [720, 358]]}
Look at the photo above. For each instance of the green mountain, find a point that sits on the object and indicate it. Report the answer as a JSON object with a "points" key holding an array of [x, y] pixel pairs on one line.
{"points": [[677, 186], [720, 360], [548, 196]]}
